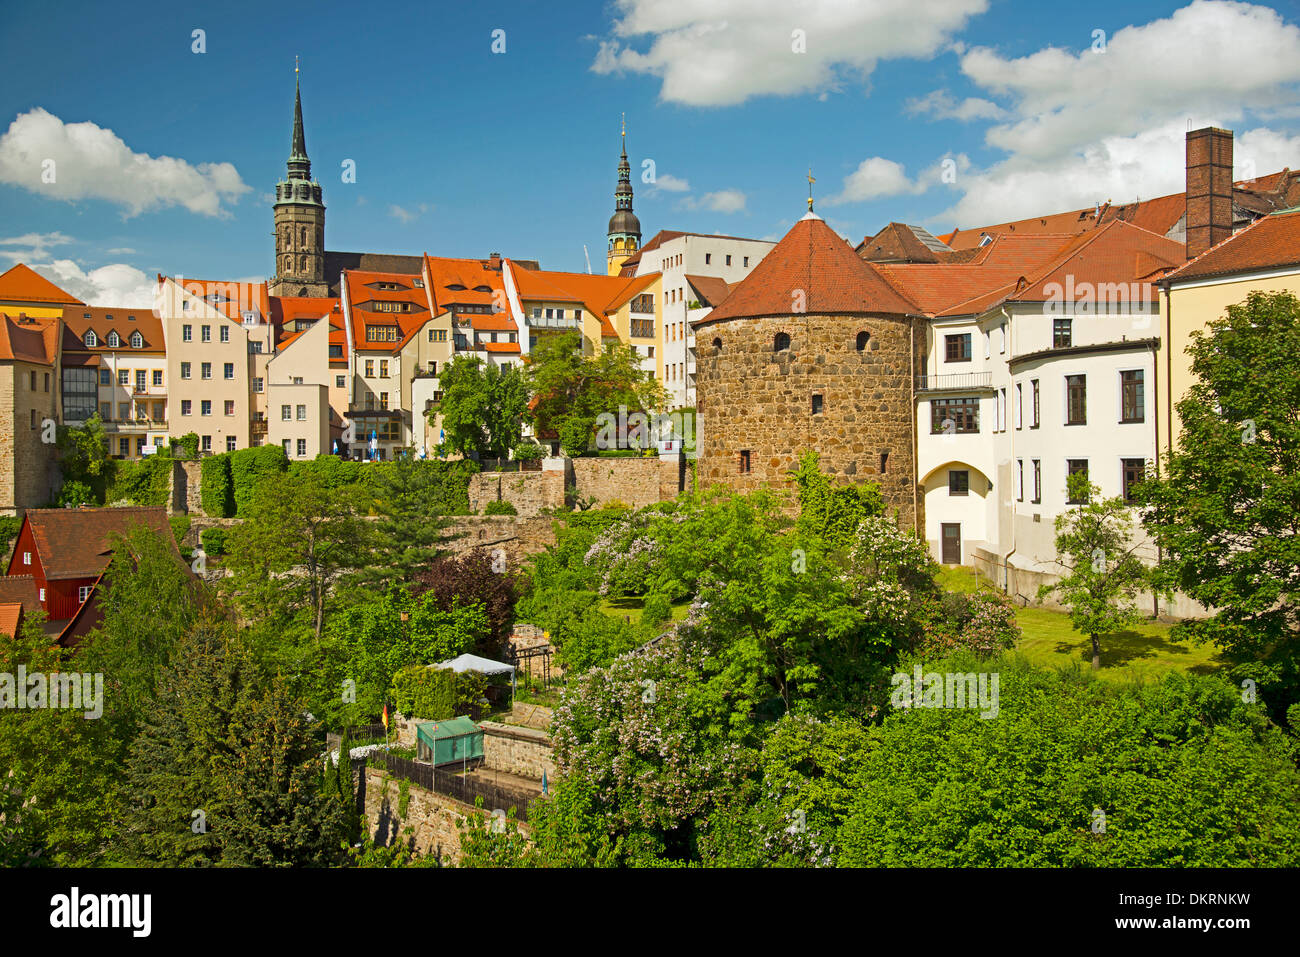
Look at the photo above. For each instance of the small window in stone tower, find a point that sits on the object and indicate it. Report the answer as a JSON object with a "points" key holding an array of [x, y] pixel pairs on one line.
{"points": [[863, 338], [744, 461], [816, 405], [781, 342], [884, 462], [717, 345]]}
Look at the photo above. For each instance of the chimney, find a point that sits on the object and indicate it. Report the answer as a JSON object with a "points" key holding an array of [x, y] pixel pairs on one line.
{"points": [[1209, 189], [494, 262]]}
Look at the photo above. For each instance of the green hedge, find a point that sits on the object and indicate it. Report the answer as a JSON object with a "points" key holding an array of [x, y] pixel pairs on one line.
{"points": [[452, 478], [249, 466], [436, 694], [216, 493], [142, 482], [213, 541], [180, 527], [499, 508]]}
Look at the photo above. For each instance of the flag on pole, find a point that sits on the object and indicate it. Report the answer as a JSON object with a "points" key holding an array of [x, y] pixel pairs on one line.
{"points": [[385, 716]]}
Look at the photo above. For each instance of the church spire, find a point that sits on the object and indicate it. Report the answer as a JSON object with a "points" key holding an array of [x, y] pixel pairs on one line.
{"points": [[624, 231], [299, 164]]}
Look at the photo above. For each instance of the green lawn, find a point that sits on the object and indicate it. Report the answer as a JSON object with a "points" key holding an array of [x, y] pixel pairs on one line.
{"points": [[1143, 652], [619, 607]]}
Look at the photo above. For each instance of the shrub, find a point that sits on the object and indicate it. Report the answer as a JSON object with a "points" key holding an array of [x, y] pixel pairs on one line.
{"points": [[180, 527], [529, 452], [185, 447], [215, 492], [575, 434], [145, 482], [213, 541], [500, 507], [436, 693], [249, 466], [9, 526], [656, 610]]}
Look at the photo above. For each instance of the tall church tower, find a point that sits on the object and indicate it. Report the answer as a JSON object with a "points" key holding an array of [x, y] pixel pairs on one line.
{"points": [[624, 228], [299, 220]]}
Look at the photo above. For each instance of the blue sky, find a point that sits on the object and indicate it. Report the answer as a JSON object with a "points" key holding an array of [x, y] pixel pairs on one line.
{"points": [[461, 151]]}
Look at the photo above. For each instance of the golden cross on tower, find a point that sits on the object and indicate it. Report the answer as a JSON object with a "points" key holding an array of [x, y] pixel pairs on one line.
{"points": [[624, 124], [810, 184]]}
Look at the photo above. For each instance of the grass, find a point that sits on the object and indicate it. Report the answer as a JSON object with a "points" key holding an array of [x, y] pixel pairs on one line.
{"points": [[1142, 653], [620, 607]]}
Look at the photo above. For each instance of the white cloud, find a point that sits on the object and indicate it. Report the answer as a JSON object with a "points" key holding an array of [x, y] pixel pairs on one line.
{"points": [[874, 178], [31, 246], [409, 215], [90, 162], [1085, 127], [722, 52], [721, 201], [116, 284], [942, 106], [670, 183]]}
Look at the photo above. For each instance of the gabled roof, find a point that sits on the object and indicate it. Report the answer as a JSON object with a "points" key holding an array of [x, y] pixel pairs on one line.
{"points": [[361, 293], [28, 340], [23, 284], [1115, 253], [599, 295], [814, 267], [20, 590], [712, 291], [122, 320], [228, 297], [1271, 242], [899, 242], [77, 542]]}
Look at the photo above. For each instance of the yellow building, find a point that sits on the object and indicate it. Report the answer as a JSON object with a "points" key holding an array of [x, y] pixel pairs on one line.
{"points": [[24, 291], [1265, 257]]}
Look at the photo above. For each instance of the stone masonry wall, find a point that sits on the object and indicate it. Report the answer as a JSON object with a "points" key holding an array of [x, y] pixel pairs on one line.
{"points": [[507, 536], [751, 397], [523, 751], [633, 481], [528, 492]]}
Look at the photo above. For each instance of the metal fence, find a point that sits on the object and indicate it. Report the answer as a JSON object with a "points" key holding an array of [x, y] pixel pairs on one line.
{"points": [[463, 789]]}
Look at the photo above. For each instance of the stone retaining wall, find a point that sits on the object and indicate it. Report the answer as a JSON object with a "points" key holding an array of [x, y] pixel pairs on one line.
{"points": [[523, 751]]}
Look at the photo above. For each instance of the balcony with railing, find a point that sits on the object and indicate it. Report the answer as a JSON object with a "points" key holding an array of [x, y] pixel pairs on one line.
{"points": [[955, 382]]}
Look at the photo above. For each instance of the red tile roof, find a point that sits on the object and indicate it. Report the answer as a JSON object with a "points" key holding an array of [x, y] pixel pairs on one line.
{"points": [[813, 260], [123, 321], [229, 297], [23, 284], [502, 347], [361, 293], [11, 617], [20, 590], [28, 340], [1271, 242], [711, 290], [77, 542]]}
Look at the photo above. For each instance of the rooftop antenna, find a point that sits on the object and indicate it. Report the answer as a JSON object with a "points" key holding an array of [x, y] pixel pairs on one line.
{"points": [[588, 255]]}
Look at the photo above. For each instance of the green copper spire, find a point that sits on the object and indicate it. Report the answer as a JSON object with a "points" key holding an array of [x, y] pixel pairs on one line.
{"points": [[299, 164]]}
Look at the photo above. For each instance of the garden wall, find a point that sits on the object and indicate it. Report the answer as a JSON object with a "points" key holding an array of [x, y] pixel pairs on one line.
{"points": [[529, 492], [633, 481], [523, 751]]}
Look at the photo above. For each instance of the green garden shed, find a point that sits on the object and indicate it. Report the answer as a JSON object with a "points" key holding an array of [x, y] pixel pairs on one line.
{"points": [[448, 742]]}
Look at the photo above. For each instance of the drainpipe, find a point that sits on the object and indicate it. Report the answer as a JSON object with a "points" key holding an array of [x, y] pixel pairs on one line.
{"points": [[1155, 415], [1006, 559]]}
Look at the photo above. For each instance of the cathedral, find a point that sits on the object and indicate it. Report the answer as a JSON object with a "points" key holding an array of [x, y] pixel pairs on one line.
{"points": [[303, 266]]}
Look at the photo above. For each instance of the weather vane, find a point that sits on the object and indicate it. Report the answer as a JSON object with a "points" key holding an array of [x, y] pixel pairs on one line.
{"points": [[295, 64], [623, 125], [810, 185]]}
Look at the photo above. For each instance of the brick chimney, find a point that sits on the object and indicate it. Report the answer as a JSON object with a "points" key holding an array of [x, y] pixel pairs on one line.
{"points": [[1209, 189], [494, 262]]}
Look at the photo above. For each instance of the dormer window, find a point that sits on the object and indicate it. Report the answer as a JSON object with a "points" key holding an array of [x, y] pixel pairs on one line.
{"points": [[456, 287], [482, 288], [90, 339], [113, 340], [137, 340]]}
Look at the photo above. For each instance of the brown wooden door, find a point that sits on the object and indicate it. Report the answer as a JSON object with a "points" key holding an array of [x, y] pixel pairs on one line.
{"points": [[951, 538]]}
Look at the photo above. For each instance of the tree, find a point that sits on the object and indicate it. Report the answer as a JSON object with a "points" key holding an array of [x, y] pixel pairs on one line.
{"points": [[227, 773], [1094, 543], [474, 576], [84, 461], [1226, 507], [570, 390], [482, 407], [299, 541], [408, 524]]}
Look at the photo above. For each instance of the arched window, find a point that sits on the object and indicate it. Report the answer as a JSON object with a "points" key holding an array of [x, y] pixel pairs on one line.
{"points": [[113, 340], [717, 345], [137, 340], [863, 338], [90, 339], [781, 342]]}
